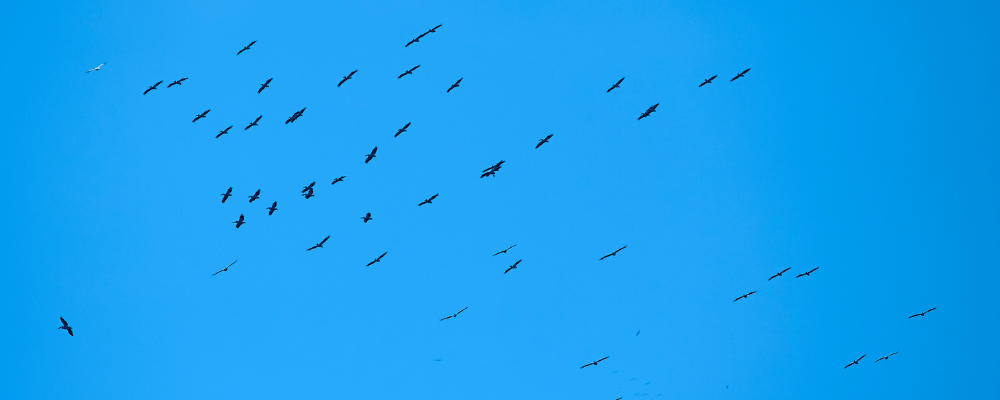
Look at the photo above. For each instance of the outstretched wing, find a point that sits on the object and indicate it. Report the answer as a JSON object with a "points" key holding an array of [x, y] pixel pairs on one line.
{"points": [[63, 321]]}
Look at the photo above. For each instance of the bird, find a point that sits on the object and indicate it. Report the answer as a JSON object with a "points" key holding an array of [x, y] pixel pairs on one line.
{"points": [[491, 171], [224, 131], [778, 274], [650, 110], [200, 116], [341, 179], [255, 196], [543, 141], [227, 194], [614, 253], [401, 130], [886, 357], [377, 259], [239, 222], [272, 208], [740, 75], [745, 296], [177, 82], [264, 85], [371, 155], [454, 85], [807, 273], [512, 266], [617, 84], [308, 187], [922, 314], [295, 116], [428, 201], [308, 194], [97, 68], [637, 332], [152, 87], [247, 47], [594, 363], [856, 361], [455, 314], [707, 81], [320, 244], [254, 123], [503, 251], [346, 78], [408, 72], [367, 217], [225, 269], [66, 326]]}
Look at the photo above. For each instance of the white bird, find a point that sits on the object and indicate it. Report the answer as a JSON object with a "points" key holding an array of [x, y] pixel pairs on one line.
{"points": [[97, 68]]}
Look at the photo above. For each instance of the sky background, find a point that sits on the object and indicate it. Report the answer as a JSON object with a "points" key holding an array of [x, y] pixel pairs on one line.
{"points": [[862, 142]]}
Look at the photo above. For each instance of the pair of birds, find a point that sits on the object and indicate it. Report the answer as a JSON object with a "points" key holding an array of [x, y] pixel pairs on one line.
{"points": [[154, 86], [417, 39], [295, 116], [492, 170], [775, 276], [855, 362], [738, 76], [229, 193], [307, 190]]}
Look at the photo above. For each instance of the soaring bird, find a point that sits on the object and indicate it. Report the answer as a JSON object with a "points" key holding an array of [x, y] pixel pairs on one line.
{"points": [[543, 141], [512, 266], [778, 274], [152, 87], [254, 123], [367, 217], [177, 82], [341, 179], [707, 81], [401, 130], [308, 194], [371, 155], [886, 357], [308, 187], [66, 326], [320, 244], [408, 72], [491, 171], [97, 68], [745, 296], [454, 85], [455, 314], [264, 85], [225, 269], [247, 47], [346, 78], [255, 196], [503, 251], [617, 84], [224, 131], [614, 253], [377, 259], [239, 222], [296, 115], [922, 314], [226, 195], [428, 201], [200, 116], [740, 75], [807, 273], [856, 361], [594, 363], [650, 110], [272, 208]]}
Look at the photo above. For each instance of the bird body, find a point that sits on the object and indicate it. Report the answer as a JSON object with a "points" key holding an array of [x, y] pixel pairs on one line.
{"points": [[778, 274], [320, 244], [922, 314], [346, 78], [254, 123], [247, 47], [512, 266], [856, 361], [177, 82], [401, 130], [152, 87], [745, 296], [225, 269], [226, 195], [455, 314], [408, 72], [264, 85], [806, 273], [224, 131], [377, 259], [295, 116], [503, 251], [886, 357], [614, 253], [200, 116], [239, 222], [594, 363], [543, 141], [341, 179], [69, 329], [255, 196], [272, 208], [454, 85], [707, 81], [367, 217], [428, 201], [370, 156], [740, 75]]}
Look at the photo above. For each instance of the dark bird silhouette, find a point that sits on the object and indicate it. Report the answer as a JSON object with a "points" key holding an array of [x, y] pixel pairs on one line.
{"points": [[454, 85], [66, 326], [272, 208], [428, 201], [740, 75], [455, 314], [745, 296], [488, 173], [177, 82], [308, 194], [922, 314], [707, 81], [320, 244], [401, 130], [255, 196], [856, 361], [254, 123], [295, 116], [308, 187], [650, 110], [807, 273], [367, 217], [200, 116], [97, 68], [264, 85], [226, 195], [346, 78], [503, 251], [594, 363], [617, 84], [239, 222], [512, 266], [370, 156], [886, 357], [377, 259], [408, 72], [778, 274], [341, 179], [152, 87], [225, 269], [224, 131], [247, 47], [491, 171], [543, 141], [614, 253]]}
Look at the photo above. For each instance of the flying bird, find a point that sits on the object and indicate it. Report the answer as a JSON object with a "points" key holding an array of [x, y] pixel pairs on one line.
{"points": [[66, 326], [254, 123], [512, 266], [745, 296], [264, 85], [97, 68], [255, 196], [296, 115], [617, 84], [177, 82], [428, 201], [778, 274], [152, 87], [239, 222], [200, 116], [320, 244], [922, 314], [650, 110], [594, 363], [367, 217], [740, 75], [454, 85], [807, 273], [341, 179], [707, 81], [377, 259], [346, 78], [247, 47], [614, 253], [308, 194], [308, 187], [503, 251], [224, 131], [886, 357], [225, 269], [455, 314], [543, 141], [401, 130], [371, 155], [226, 195], [856, 361], [408, 72], [272, 208], [414, 40], [491, 171]]}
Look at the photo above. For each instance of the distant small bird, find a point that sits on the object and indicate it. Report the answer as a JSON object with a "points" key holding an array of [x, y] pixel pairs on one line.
{"points": [[346, 78], [152, 87], [367, 217], [454, 85], [224, 131], [308, 194], [740, 75], [408, 72], [543, 141], [455, 314], [512, 266], [778, 274], [264, 85], [401, 130], [177, 82], [428, 201], [886, 357], [200, 116], [341, 179], [239, 222], [320, 244], [650, 110], [272, 208], [66, 326], [745, 296], [614, 253], [807, 273], [637, 332], [97, 68], [254, 123], [503, 251], [308, 187], [255, 196], [377, 259], [225, 269], [594, 363], [247, 47], [226, 195], [922, 314], [371, 155], [856, 361], [707, 81], [295, 116], [617, 84]]}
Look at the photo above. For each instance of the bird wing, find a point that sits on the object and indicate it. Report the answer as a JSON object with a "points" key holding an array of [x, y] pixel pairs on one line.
{"points": [[460, 311], [258, 119], [383, 255], [446, 317], [620, 81], [352, 73], [433, 197], [703, 84], [63, 321], [402, 75], [712, 78], [370, 264], [801, 275], [609, 255], [745, 71], [324, 240], [342, 82], [458, 81], [414, 68], [508, 269], [70, 330], [915, 315], [314, 247], [935, 308]]}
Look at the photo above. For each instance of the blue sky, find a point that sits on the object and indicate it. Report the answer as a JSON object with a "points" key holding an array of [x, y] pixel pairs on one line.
{"points": [[861, 143]]}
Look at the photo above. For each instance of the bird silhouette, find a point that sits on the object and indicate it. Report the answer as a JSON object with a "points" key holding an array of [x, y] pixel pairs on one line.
{"points": [[308, 187], [255, 196], [346, 78], [454, 85], [320, 244], [264, 85], [224, 131], [227, 194], [367, 217], [254, 123], [152, 87], [247, 47], [177, 82], [650, 110], [455, 314], [69, 329], [806, 273], [617, 84], [740, 75], [377, 259], [886, 357], [200, 116], [428, 201], [503, 251], [512, 266], [745, 296], [370, 156], [614, 253], [856, 361], [922, 314], [97, 68], [594, 363], [401, 130], [543, 141], [295, 116], [225, 269], [408, 72], [778, 274], [239, 222], [272, 208], [707, 81], [341, 179]]}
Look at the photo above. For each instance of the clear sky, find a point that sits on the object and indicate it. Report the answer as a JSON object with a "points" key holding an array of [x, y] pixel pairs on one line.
{"points": [[863, 142]]}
